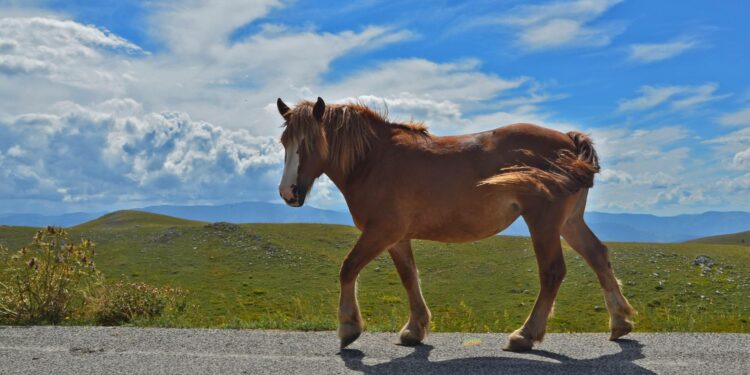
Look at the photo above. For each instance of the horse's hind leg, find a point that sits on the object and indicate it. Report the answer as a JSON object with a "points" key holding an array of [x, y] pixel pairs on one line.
{"points": [[544, 221], [582, 240], [419, 318], [370, 244]]}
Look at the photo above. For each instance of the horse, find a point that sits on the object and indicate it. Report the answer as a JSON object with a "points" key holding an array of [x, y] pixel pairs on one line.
{"points": [[402, 183]]}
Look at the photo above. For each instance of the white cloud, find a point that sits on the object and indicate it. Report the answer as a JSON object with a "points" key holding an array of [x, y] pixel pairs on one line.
{"points": [[560, 24], [149, 150], [63, 51], [742, 159], [684, 196], [657, 180], [77, 153], [650, 97], [738, 184], [638, 165], [143, 148], [15, 151], [733, 148], [195, 27], [445, 116], [624, 146], [229, 83], [458, 81], [652, 52], [679, 97], [698, 95], [614, 176], [739, 118]]}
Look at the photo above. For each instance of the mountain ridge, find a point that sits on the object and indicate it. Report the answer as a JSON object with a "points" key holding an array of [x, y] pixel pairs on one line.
{"points": [[618, 227]]}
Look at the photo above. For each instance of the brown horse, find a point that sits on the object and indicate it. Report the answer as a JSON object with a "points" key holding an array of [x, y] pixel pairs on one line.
{"points": [[402, 183]]}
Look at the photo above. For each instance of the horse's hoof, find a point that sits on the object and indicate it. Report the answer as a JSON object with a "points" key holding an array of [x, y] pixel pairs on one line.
{"points": [[345, 341], [518, 343], [620, 329], [348, 333], [410, 338]]}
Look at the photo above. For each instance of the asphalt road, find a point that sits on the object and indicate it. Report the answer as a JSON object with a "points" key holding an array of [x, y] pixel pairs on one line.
{"points": [[89, 350]]}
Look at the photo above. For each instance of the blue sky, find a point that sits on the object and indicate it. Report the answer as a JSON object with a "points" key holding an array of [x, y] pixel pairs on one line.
{"points": [[118, 104]]}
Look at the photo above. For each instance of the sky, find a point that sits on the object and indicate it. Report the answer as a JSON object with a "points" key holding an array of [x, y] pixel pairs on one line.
{"points": [[118, 104]]}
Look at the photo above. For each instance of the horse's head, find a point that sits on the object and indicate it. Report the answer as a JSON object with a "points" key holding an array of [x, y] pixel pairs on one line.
{"points": [[306, 149]]}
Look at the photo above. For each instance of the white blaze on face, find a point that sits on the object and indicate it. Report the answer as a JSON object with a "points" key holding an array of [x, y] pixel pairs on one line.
{"points": [[291, 166]]}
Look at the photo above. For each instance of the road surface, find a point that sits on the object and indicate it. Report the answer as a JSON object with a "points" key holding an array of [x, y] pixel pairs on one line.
{"points": [[89, 350]]}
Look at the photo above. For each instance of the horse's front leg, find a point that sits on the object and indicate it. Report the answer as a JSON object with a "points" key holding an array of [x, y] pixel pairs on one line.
{"points": [[370, 244], [419, 317]]}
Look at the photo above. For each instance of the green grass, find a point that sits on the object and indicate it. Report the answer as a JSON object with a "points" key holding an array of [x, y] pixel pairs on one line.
{"points": [[742, 239], [286, 276]]}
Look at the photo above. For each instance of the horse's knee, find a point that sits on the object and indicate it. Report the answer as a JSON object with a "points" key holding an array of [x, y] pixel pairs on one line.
{"points": [[553, 273], [348, 272]]}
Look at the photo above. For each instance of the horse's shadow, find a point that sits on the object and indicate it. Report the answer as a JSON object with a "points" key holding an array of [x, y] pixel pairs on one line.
{"points": [[418, 362]]}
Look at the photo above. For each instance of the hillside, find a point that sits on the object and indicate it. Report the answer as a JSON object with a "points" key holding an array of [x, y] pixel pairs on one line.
{"points": [[130, 219], [742, 239], [254, 212], [286, 276]]}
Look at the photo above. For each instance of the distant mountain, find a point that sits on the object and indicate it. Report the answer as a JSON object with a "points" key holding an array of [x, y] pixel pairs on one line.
{"points": [[651, 228], [608, 226], [35, 220]]}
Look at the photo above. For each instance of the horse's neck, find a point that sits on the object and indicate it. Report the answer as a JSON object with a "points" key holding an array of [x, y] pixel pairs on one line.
{"points": [[380, 144]]}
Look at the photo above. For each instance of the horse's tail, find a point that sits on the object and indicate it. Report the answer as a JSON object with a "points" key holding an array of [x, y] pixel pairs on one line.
{"points": [[568, 173]]}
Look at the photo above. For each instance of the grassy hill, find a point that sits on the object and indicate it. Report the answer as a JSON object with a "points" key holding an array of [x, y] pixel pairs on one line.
{"points": [[742, 239], [286, 276]]}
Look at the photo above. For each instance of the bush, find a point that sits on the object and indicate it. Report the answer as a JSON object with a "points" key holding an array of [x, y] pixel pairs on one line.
{"points": [[125, 302], [54, 279], [48, 281]]}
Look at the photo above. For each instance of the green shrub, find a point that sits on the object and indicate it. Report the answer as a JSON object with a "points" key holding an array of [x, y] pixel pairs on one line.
{"points": [[53, 280], [48, 281], [125, 302]]}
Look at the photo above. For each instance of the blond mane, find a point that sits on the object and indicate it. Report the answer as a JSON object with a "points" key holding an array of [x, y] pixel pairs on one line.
{"points": [[346, 134]]}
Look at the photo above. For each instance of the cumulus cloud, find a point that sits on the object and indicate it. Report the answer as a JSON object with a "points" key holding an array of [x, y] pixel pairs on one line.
{"points": [[82, 154], [231, 84], [63, 51], [652, 52], [141, 149], [202, 126], [561, 24]]}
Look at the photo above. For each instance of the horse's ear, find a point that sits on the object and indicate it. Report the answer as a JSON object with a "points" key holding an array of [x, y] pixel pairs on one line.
{"points": [[283, 108], [319, 109]]}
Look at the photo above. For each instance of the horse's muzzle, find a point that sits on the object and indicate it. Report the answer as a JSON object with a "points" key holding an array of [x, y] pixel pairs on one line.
{"points": [[297, 198]]}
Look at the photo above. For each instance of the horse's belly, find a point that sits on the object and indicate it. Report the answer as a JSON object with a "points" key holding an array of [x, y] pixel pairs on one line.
{"points": [[467, 222]]}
